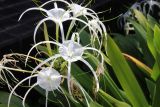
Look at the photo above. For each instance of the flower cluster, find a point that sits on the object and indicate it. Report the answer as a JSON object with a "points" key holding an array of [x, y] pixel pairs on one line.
{"points": [[70, 48]]}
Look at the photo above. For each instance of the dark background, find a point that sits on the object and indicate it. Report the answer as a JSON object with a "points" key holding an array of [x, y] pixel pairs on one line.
{"points": [[17, 36]]}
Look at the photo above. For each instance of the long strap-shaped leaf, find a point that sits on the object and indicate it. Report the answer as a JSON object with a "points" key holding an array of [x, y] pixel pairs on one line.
{"points": [[125, 76], [156, 97]]}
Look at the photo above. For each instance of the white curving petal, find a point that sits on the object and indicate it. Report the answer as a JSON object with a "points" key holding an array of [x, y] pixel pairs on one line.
{"points": [[93, 72], [9, 99], [24, 98], [43, 42], [33, 8]]}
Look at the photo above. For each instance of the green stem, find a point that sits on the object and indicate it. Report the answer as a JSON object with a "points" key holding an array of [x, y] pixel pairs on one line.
{"points": [[57, 32], [88, 3], [46, 36], [82, 29], [70, 28]]}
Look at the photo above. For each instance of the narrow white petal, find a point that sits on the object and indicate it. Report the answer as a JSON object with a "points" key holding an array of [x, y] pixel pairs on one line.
{"points": [[94, 73], [12, 92], [45, 61], [72, 18], [8, 84], [83, 92], [89, 48], [52, 64], [65, 97], [33, 8], [93, 12], [12, 75], [42, 63], [23, 102], [54, 1], [38, 25], [43, 42]]}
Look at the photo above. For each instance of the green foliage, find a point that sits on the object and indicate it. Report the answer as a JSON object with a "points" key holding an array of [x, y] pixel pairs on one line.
{"points": [[147, 34], [156, 96], [15, 102], [125, 76]]}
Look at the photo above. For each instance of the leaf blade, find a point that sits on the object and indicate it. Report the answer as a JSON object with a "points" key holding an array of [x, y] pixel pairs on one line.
{"points": [[125, 76]]}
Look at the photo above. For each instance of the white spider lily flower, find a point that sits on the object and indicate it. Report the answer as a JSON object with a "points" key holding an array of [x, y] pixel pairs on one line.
{"points": [[87, 25], [48, 79], [99, 27], [95, 25], [61, 26], [63, 1], [79, 10], [57, 15], [71, 51]]}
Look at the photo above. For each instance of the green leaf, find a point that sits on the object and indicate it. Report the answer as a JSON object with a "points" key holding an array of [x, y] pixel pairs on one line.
{"points": [[152, 39], [44, 49], [59, 100], [46, 36], [82, 77], [157, 38], [152, 22], [5, 105], [85, 38], [139, 28], [141, 18], [141, 37], [156, 42], [128, 44], [113, 101], [150, 43], [125, 76], [106, 80], [113, 88], [156, 98], [15, 101], [139, 64], [94, 104], [151, 87], [156, 72]]}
